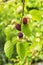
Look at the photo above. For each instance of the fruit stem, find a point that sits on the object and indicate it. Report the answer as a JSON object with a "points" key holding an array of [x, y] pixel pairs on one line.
{"points": [[23, 7]]}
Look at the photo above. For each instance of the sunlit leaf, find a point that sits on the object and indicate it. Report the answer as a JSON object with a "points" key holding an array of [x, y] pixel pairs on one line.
{"points": [[8, 49], [22, 48], [36, 14]]}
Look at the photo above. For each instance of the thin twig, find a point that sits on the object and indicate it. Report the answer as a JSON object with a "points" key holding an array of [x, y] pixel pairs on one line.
{"points": [[23, 7]]}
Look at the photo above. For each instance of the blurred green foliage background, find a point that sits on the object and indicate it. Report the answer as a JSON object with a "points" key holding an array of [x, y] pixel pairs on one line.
{"points": [[11, 10]]}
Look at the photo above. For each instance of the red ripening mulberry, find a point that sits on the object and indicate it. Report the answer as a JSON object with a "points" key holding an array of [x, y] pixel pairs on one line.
{"points": [[18, 27], [25, 20], [20, 35]]}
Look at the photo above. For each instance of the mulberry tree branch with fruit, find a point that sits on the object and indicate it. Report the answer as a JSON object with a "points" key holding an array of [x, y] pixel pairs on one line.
{"points": [[25, 35]]}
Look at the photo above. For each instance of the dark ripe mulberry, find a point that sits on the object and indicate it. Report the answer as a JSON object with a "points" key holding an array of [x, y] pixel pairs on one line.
{"points": [[25, 20], [20, 35], [18, 27]]}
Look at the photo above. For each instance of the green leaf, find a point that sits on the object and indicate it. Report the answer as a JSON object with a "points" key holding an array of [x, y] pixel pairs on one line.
{"points": [[22, 48], [8, 49], [14, 40], [36, 14], [10, 33], [26, 1], [41, 56], [26, 30]]}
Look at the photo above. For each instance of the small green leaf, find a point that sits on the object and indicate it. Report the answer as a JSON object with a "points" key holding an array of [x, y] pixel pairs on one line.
{"points": [[36, 15], [10, 33], [26, 30], [8, 49], [14, 40], [22, 48]]}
